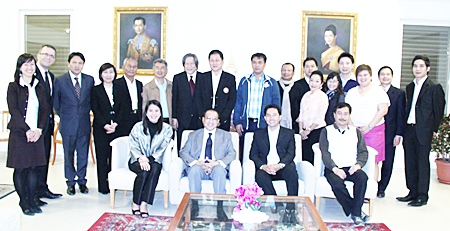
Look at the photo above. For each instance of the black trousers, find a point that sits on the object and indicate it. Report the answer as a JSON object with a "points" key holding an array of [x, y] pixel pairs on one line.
{"points": [[307, 152], [388, 164], [417, 164], [349, 204], [103, 157], [145, 182], [42, 171]]}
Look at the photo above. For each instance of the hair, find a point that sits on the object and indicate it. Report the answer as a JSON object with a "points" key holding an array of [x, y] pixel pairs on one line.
{"points": [[421, 57], [24, 58], [342, 105], [104, 67], [317, 73], [49, 46], [73, 54], [190, 55], [331, 28], [346, 55], [259, 55], [385, 67], [139, 18], [293, 68], [146, 122], [215, 52], [269, 106], [211, 109], [309, 59], [125, 61], [160, 61], [363, 67], [339, 88]]}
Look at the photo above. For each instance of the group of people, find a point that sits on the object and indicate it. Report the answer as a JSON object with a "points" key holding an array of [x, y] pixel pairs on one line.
{"points": [[321, 113]]}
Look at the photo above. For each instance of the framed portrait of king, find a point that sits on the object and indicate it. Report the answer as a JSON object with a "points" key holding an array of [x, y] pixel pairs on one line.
{"points": [[326, 35], [139, 33]]}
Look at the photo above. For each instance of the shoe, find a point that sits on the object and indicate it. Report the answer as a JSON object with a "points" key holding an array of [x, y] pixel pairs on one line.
{"points": [[417, 203], [39, 203], [194, 209], [358, 221], [381, 194], [36, 209], [286, 220], [293, 220], [104, 193], [71, 190], [221, 215], [365, 217], [28, 211], [135, 212], [50, 195], [84, 189], [406, 199], [144, 214]]}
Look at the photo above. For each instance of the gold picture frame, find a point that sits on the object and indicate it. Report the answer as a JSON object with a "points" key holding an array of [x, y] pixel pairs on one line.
{"points": [[128, 22], [318, 42]]}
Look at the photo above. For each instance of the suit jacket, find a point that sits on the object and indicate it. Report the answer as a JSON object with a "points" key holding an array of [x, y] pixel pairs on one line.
{"points": [[151, 92], [295, 96], [332, 103], [223, 147], [394, 120], [225, 97], [429, 109], [304, 85], [153, 148], [128, 107], [73, 112], [183, 104], [261, 146], [51, 121]]}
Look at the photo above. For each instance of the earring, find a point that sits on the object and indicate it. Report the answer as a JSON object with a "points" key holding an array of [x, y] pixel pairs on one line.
{"points": [[20, 74], [34, 74]]}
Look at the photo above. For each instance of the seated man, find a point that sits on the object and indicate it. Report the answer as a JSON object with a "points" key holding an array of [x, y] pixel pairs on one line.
{"points": [[208, 153], [344, 153], [273, 152]]}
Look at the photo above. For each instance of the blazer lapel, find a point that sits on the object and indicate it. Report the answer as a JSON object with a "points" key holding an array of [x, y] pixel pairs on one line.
{"points": [[423, 89], [70, 85], [199, 144]]}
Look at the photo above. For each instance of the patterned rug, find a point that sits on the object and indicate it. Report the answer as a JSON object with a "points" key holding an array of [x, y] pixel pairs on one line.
{"points": [[119, 222], [336, 226], [6, 189]]}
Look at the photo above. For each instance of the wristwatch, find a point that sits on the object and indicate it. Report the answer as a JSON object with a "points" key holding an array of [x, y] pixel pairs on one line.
{"points": [[370, 127], [281, 165]]}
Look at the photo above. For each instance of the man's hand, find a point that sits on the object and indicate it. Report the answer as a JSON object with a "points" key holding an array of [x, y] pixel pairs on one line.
{"points": [[175, 124], [397, 140], [209, 165], [354, 168], [340, 173], [239, 129]]}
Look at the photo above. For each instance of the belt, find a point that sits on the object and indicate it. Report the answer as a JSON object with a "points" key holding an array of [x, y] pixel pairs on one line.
{"points": [[253, 120], [135, 111], [112, 112], [412, 125]]}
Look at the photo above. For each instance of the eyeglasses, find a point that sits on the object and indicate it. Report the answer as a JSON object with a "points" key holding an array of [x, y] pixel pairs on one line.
{"points": [[211, 119], [47, 55]]}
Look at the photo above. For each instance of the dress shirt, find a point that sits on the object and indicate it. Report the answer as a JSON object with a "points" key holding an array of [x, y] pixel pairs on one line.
{"points": [[352, 77], [417, 88], [272, 157], [32, 110], [132, 88], [202, 154], [109, 93], [42, 70], [215, 85], [194, 77], [255, 96], [386, 89], [163, 97], [72, 76]]}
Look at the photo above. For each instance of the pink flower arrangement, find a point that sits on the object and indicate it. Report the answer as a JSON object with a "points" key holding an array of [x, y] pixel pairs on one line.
{"points": [[248, 196]]}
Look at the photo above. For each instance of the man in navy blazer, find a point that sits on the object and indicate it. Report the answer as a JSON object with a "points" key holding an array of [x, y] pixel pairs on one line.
{"points": [[216, 89], [394, 122], [72, 103]]}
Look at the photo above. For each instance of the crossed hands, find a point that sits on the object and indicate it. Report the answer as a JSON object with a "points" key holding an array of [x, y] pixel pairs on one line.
{"points": [[271, 169], [341, 173], [207, 165], [33, 135], [144, 162], [110, 128]]}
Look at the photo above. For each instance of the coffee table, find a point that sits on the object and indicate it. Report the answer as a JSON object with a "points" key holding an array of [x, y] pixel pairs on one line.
{"points": [[307, 215]]}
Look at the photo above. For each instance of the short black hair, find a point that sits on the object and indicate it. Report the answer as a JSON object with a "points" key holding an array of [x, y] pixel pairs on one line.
{"points": [[104, 67], [259, 55], [319, 73], [293, 68], [342, 105], [215, 52], [385, 67], [272, 105], [309, 59], [139, 18], [73, 54], [190, 55], [346, 55], [421, 57], [211, 109]]}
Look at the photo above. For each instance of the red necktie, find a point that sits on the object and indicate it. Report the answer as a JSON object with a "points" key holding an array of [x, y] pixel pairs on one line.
{"points": [[192, 86]]}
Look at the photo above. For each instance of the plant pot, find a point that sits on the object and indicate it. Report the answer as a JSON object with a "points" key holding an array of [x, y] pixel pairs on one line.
{"points": [[443, 171]]}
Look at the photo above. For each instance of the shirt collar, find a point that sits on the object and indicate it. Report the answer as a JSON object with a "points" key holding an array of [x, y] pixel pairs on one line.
{"points": [[161, 84], [23, 84], [216, 76], [206, 131], [73, 76], [420, 82], [339, 129], [273, 132], [386, 89]]}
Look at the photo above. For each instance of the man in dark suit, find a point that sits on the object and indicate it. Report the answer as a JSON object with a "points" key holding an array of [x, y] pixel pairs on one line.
{"points": [[394, 122], [45, 59], [216, 89], [71, 100], [291, 94], [134, 97], [425, 102], [273, 152], [309, 65], [184, 110]]}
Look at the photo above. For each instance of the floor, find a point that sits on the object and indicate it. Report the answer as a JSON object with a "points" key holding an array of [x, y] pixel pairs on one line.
{"points": [[84, 209]]}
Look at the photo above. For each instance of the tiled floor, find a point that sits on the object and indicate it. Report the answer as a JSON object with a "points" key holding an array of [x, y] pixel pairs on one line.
{"points": [[80, 211]]}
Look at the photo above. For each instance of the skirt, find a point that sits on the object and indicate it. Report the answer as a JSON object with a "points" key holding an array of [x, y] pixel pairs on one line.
{"points": [[375, 139]]}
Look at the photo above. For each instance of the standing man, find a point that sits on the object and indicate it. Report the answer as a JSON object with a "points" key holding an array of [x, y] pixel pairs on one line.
{"points": [[134, 97], [309, 65], [142, 47], [348, 78], [184, 110], [72, 102], [45, 59], [291, 94], [394, 123], [425, 102], [217, 90], [159, 89], [344, 153]]}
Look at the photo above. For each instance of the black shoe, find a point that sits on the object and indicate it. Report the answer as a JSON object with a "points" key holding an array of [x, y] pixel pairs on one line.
{"points": [[381, 194], [293, 219], [417, 203], [49, 195], [287, 217], [39, 203], [36, 209], [365, 217], [71, 190], [221, 215], [194, 209], [28, 211], [405, 199], [358, 221], [84, 189]]}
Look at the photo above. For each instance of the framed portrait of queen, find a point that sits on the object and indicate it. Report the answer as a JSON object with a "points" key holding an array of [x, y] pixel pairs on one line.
{"points": [[326, 35], [139, 33]]}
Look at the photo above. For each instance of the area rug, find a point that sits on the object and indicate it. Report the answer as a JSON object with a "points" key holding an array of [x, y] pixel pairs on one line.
{"points": [[6, 189], [336, 226], [120, 222]]}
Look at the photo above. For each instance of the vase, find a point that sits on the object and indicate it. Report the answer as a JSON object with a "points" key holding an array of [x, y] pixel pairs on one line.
{"points": [[443, 171], [249, 216]]}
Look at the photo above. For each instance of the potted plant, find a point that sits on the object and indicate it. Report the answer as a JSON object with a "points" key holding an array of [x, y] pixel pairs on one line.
{"points": [[441, 145]]}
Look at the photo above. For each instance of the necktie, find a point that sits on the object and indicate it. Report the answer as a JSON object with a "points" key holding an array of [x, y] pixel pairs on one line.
{"points": [[192, 86], [47, 79], [208, 148], [77, 88]]}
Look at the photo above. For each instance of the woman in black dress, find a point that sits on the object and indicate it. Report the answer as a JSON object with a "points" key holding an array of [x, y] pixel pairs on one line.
{"points": [[333, 89], [27, 104]]}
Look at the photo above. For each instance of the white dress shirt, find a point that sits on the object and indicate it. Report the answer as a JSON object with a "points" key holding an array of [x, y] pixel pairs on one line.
{"points": [[73, 76], [417, 88], [272, 157], [132, 88], [32, 110]]}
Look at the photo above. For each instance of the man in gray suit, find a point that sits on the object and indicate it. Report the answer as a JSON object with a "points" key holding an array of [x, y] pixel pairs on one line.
{"points": [[208, 153], [72, 103]]}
